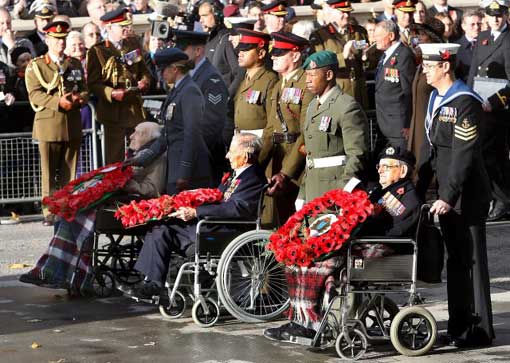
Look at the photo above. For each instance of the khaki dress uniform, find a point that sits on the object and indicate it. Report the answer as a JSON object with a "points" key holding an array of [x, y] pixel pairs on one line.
{"points": [[57, 131], [282, 139], [252, 101], [336, 143], [351, 78], [111, 68]]}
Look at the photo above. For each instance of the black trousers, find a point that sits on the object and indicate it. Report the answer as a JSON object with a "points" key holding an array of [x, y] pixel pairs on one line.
{"points": [[469, 300], [159, 243]]}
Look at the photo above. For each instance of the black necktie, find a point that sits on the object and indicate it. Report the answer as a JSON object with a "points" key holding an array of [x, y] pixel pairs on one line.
{"points": [[380, 67]]}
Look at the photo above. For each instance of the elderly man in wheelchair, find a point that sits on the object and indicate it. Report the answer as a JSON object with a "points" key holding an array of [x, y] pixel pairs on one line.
{"points": [[241, 194], [396, 214]]}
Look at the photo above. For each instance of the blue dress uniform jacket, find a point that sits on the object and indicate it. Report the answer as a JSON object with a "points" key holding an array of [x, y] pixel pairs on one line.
{"points": [[240, 201], [455, 155], [464, 58], [393, 94], [187, 154]]}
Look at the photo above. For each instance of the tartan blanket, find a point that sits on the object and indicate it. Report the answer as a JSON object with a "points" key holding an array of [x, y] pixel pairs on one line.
{"points": [[307, 289], [61, 265]]}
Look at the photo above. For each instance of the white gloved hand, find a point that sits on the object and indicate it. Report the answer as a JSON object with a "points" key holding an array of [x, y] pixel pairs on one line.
{"points": [[299, 203]]}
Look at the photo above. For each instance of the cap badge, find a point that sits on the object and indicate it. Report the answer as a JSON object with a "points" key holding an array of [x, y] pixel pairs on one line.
{"points": [[128, 15], [58, 29], [444, 55], [281, 7], [494, 5], [44, 11], [390, 151], [409, 3], [347, 4], [313, 65]]}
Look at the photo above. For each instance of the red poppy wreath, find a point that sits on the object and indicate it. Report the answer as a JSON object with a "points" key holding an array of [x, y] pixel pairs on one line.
{"points": [[88, 190], [144, 211], [299, 243]]}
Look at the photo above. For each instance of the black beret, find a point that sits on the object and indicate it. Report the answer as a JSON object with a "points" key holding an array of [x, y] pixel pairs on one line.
{"points": [[398, 153]]}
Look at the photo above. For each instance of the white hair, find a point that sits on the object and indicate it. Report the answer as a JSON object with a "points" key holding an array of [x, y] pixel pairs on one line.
{"points": [[250, 143], [303, 28], [151, 129], [74, 34]]}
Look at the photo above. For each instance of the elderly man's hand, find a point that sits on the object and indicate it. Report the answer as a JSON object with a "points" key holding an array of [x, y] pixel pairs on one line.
{"points": [[130, 162], [278, 183], [185, 213], [440, 207]]}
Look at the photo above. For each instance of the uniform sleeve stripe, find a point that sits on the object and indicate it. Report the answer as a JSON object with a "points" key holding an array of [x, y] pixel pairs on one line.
{"points": [[468, 138], [457, 132], [457, 127]]}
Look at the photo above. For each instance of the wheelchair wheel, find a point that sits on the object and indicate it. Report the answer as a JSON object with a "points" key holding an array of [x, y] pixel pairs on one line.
{"points": [[103, 283], [413, 331], [174, 310], [371, 315], [251, 283], [199, 315], [351, 344]]}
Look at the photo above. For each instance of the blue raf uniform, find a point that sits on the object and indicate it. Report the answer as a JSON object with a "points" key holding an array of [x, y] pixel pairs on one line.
{"points": [[182, 113], [240, 200], [215, 92]]}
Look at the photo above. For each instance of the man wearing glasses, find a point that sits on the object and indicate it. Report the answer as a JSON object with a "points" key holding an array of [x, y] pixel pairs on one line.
{"points": [[454, 154]]}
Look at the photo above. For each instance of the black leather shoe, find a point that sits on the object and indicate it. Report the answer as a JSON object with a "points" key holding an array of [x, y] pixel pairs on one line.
{"points": [[286, 331], [498, 212], [125, 288], [146, 291], [29, 278]]}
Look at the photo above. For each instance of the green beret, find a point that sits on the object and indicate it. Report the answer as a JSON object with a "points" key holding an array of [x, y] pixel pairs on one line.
{"points": [[320, 59]]}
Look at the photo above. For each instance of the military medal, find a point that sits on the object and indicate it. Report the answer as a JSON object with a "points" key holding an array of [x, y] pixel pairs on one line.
{"points": [[132, 57], [292, 95], [324, 124], [170, 111], [231, 188], [448, 114], [392, 205], [252, 96]]}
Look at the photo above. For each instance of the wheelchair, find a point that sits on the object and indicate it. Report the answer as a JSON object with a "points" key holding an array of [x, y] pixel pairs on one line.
{"points": [[229, 270], [411, 330]]}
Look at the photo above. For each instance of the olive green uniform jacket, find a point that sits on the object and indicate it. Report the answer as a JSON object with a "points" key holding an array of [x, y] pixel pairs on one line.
{"points": [[346, 134], [253, 100], [107, 72], [350, 78]]}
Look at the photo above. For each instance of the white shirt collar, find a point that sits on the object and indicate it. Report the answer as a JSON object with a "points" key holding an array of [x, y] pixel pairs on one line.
{"points": [[240, 170], [497, 33], [56, 59], [290, 75], [388, 52], [441, 9]]}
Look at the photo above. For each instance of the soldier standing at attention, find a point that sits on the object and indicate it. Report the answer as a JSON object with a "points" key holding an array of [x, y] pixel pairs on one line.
{"points": [[335, 131], [347, 41], [274, 16], [282, 137], [253, 98], [404, 11], [56, 90], [116, 76], [455, 155]]}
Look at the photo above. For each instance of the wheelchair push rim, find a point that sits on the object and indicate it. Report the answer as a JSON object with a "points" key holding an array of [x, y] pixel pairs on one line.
{"points": [[251, 283]]}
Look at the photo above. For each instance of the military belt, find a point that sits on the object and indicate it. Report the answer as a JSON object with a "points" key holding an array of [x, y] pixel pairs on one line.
{"points": [[285, 138], [257, 132], [316, 163]]}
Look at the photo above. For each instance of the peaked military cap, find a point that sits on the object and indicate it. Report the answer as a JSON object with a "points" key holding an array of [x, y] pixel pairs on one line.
{"points": [[183, 38], [398, 153], [283, 42], [320, 59], [45, 10], [278, 8], [238, 22], [252, 39], [407, 6], [167, 56], [121, 16], [345, 6], [57, 29], [495, 7]]}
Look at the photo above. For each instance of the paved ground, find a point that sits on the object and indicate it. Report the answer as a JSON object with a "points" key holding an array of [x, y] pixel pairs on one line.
{"points": [[68, 330]]}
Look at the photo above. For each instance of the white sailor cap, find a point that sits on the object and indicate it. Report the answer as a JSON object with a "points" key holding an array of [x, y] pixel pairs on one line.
{"points": [[438, 51]]}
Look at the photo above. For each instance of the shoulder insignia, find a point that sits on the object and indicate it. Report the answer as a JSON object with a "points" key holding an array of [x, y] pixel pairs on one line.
{"points": [[214, 80], [465, 131], [214, 99]]}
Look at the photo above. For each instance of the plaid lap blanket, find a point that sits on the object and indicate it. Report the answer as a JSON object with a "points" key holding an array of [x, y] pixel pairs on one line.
{"points": [[307, 287], [59, 265]]}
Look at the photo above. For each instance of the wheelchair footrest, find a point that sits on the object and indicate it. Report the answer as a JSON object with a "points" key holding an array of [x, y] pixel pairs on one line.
{"points": [[301, 341]]}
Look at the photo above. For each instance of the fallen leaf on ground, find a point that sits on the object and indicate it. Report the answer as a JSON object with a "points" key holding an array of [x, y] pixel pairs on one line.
{"points": [[15, 266], [150, 344], [14, 216], [35, 345], [61, 360]]}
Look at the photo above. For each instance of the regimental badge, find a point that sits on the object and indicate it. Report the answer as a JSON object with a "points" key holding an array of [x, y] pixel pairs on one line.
{"points": [[312, 65], [292, 95], [392, 75], [170, 111], [324, 124], [58, 29], [390, 151], [252, 97], [392, 205], [448, 114], [466, 131]]}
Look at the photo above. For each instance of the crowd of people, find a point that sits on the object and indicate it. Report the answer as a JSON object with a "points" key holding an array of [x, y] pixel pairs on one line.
{"points": [[298, 90]]}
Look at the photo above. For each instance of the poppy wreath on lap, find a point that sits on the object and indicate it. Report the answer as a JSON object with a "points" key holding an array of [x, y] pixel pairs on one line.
{"points": [[335, 215], [140, 212], [88, 190]]}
